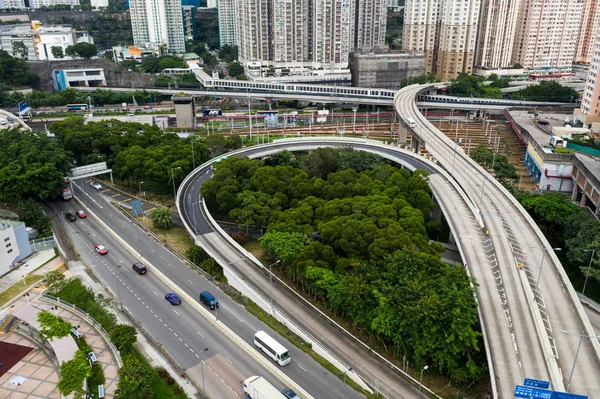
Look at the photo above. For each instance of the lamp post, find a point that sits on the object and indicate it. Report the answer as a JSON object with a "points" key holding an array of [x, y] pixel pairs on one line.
{"points": [[421, 379], [23, 277], [271, 282], [202, 368], [593, 251], [119, 290], [537, 284], [250, 116], [345, 374], [173, 177], [581, 337], [141, 188]]}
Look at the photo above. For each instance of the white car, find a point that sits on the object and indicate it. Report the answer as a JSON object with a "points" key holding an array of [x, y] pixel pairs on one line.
{"points": [[96, 185]]}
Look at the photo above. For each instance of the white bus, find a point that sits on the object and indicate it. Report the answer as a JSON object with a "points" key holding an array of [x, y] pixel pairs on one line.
{"points": [[411, 122], [272, 348]]}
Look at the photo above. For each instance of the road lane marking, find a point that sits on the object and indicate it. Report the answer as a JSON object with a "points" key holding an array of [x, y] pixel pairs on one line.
{"points": [[151, 250], [191, 282], [155, 293], [240, 320], [302, 367], [104, 191], [197, 356], [125, 200], [149, 210], [175, 312], [200, 334], [180, 339], [226, 358], [170, 265], [113, 196], [121, 261], [94, 234]]}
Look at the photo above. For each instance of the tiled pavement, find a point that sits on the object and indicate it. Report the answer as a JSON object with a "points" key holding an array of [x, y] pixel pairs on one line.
{"points": [[39, 370]]}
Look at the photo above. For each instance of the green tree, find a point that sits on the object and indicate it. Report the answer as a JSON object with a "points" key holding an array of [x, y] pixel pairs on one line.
{"points": [[52, 326], [124, 336], [552, 210], [171, 61], [321, 162], [72, 375], [85, 50], [70, 51], [235, 69], [53, 279], [134, 380], [20, 50], [57, 52], [150, 64], [161, 218], [228, 53], [284, 246], [550, 91]]}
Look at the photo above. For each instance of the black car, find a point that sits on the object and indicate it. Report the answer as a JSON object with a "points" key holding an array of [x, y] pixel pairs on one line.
{"points": [[139, 268], [543, 122], [70, 216]]}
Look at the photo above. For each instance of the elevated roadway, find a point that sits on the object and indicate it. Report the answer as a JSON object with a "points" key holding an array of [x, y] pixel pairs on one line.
{"points": [[371, 368], [523, 320]]}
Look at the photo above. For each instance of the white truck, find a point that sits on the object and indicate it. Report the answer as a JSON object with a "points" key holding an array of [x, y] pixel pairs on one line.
{"points": [[256, 387]]}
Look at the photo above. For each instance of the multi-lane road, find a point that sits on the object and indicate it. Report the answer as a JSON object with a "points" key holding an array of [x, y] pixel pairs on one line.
{"points": [[524, 321], [181, 330]]}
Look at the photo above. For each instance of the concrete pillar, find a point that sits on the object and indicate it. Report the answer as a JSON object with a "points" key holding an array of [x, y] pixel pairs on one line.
{"points": [[185, 109], [436, 213], [451, 239], [574, 192], [402, 134], [583, 201]]}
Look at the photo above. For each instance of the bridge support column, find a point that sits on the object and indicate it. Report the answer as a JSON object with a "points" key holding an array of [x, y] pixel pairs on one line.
{"points": [[402, 134], [436, 213], [415, 144], [451, 239], [574, 192], [185, 109]]}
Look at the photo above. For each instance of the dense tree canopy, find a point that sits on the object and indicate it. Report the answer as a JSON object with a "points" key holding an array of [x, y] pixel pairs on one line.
{"points": [[31, 166], [13, 72], [547, 91], [357, 240], [466, 85]]}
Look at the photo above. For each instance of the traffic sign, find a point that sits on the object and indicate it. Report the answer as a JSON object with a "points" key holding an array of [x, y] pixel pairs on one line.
{"points": [[530, 382], [566, 395], [532, 393]]}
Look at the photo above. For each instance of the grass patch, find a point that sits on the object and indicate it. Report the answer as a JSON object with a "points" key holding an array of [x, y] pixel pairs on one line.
{"points": [[159, 386], [300, 343], [176, 237], [255, 249], [18, 288]]}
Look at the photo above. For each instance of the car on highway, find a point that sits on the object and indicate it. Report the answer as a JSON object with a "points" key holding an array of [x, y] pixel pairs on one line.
{"points": [[70, 216], [543, 122], [101, 249], [173, 298], [139, 268], [147, 107], [288, 393], [209, 300], [96, 185], [81, 214]]}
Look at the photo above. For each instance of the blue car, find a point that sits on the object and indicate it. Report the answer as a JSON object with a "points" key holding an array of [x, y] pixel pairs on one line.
{"points": [[288, 393], [173, 298]]}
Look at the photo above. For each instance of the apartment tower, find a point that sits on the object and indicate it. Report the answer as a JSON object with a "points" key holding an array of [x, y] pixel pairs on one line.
{"points": [[370, 24], [497, 33], [547, 33], [590, 23], [158, 23], [589, 112], [446, 31], [227, 22]]}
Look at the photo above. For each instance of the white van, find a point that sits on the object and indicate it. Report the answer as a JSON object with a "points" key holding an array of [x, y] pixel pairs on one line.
{"points": [[411, 122], [272, 348]]}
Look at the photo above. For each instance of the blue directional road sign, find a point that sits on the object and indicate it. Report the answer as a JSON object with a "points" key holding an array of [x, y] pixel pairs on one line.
{"points": [[565, 395], [532, 393], [530, 382], [136, 207]]}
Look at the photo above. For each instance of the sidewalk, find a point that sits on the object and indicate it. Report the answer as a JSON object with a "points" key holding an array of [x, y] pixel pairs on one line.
{"points": [[39, 371], [31, 263]]}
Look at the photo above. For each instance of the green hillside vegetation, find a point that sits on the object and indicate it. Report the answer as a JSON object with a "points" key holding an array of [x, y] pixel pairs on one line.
{"points": [[357, 241]]}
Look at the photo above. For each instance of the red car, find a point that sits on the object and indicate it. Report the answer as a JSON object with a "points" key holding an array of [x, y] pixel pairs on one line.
{"points": [[101, 249], [81, 214]]}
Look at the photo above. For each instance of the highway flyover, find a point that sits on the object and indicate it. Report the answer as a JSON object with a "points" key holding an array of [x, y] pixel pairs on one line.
{"points": [[371, 368], [524, 321]]}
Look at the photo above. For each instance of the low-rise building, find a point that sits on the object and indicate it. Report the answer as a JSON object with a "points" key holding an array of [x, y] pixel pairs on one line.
{"points": [[385, 69], [14, 244], [130, 53], [82, 77]]}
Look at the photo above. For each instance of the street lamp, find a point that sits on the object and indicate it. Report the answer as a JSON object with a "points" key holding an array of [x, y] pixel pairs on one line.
{"points": [[119, 290], [581, 337], [354, 120], [141, 189], [271, 282], [202, 368], [345, 374], [421, 379], [593, 251], [173, 177], [537, 284]]}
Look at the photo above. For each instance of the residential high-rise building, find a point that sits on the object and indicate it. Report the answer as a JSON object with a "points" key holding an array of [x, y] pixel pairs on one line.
{"points": [[446, 31], [497, 33], [227, 21], [546, 33], [370, 24], [590, 23], [589, 111], [157, 23]]}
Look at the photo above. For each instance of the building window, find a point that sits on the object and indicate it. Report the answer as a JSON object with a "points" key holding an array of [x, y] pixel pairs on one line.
{"points": [[8, 245], [9, 251], [6, 239]]}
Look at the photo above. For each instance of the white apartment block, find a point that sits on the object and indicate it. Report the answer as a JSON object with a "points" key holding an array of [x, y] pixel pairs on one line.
{"points": [[586, 39], [158, 23], [589, 112], [446, 31], [332, 33], [546, 33], [7, 4], [48, 3], [227, 22], [371, 22], [497, 33]]}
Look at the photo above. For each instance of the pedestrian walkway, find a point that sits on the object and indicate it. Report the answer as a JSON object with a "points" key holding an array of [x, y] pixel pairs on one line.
{"points": [[32, 263], [37, 369]]}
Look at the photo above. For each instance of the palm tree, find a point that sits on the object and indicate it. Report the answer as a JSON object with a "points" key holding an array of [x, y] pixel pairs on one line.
{"points": [[161, 218]]}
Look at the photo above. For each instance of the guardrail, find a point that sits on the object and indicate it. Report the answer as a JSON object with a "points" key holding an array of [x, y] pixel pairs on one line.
{"points": [[69, 306]]}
